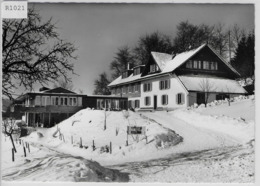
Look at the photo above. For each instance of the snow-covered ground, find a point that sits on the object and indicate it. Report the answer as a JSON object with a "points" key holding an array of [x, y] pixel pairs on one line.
{"points": [[217, 140]]}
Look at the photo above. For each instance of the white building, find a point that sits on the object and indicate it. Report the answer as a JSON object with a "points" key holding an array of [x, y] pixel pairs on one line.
{"points": [[174, 81]]}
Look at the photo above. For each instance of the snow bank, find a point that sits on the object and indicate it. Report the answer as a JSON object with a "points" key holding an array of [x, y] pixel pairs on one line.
{"points": [[236, 127], [77, 134]]}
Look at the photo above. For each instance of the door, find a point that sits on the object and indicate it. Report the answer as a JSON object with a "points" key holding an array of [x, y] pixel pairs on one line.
{"points": [[200, 98], [154, 102]]}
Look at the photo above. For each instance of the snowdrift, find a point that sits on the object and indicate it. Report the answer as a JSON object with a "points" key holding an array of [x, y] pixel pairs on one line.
{"points": [[104, 129], [236, 120]]}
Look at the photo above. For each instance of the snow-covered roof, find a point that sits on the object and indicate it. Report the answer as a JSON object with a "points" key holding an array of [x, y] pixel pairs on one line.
{"points": [[179, 59], [216, 84], [168, 63], [161, 59], [121, 80]]}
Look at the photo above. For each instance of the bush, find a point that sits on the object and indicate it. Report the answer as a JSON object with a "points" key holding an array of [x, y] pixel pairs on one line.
{"points": [[165, 140]]}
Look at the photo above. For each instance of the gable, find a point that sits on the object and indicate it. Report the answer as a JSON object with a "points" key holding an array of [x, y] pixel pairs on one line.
{"points": [[206, 61], [151, 62], [59, 90]]}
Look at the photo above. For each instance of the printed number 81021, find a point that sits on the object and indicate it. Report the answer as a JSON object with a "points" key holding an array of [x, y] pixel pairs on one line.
{"points": [[14, 7]]}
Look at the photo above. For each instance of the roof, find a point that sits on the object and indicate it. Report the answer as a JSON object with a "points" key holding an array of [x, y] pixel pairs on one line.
{"points": [[216, 84], [168, 63], [181, 58], [161, 58]]}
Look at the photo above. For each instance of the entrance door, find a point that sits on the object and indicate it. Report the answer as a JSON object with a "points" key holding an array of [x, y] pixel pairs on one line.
{"points": [[154, 102], [200, 98]]}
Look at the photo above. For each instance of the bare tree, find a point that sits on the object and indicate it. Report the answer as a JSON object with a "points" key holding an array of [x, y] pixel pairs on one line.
{"points": [[33, 53], [206, 87], [9, 128]]}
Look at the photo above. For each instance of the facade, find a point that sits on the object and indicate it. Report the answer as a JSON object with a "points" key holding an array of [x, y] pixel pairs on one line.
{"points": [[174, 81], [51, 106]]}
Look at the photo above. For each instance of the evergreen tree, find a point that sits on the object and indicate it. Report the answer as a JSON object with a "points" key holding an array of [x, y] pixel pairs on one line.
{"points": [[101, 85], [243, 60], [121, 60], [156, 42], [191, 36]]}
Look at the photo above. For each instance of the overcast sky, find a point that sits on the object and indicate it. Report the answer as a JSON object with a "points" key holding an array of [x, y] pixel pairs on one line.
{"points": [[98, 30]]}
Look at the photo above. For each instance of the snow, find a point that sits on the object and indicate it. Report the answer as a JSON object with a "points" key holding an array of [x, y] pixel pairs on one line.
{"points": [[204, 144], [179, 59], [242, 107], [43, 164], [88, 125], [194, 83], [161, 59]]}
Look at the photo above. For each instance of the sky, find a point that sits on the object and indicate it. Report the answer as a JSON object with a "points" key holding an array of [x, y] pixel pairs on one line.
{"points": [[98, 30]]}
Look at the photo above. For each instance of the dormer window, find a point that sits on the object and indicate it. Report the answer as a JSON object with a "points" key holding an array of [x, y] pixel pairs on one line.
{"points": [[153, 68], [125, 74], [137, 71]]}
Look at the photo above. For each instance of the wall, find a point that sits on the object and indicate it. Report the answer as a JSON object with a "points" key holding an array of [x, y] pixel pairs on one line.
{"points": [[212, 97], [175, 88]]}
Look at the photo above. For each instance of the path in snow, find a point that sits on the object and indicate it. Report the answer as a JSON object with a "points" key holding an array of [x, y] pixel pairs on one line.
{"points": [[49, 165], [227, 164], [195, 138]]}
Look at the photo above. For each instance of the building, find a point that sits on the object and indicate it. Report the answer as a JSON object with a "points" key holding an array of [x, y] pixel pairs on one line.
{"points": [[173, 81], [48, 107]]}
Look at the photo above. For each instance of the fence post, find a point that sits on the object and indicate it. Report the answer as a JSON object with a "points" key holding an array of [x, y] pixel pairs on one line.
{"points": [[72, 140], [146, 139], [63, 138], [93, 145], [110, 147], [13, 154], [24, 150], [28, 147], [80, 143]]}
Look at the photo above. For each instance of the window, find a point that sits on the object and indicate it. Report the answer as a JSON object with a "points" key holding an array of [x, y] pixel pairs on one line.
{"points": [[57, 101], [124, 90], [153, 68], [38, 100], [118, 90], [43, 100], [61, 101], [213, 66], [165, 84], [199, 64], [164, 99], [189, 64], [180, 98], [195, 64], [222, 96], [147, 87], [65, 101], [137, 104], [130, 88], [74, 102], [206, 65], [125, 74], [137, 87], [137, 71], [113, 91], [53, 100], [147, 100], [48, 101]]}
